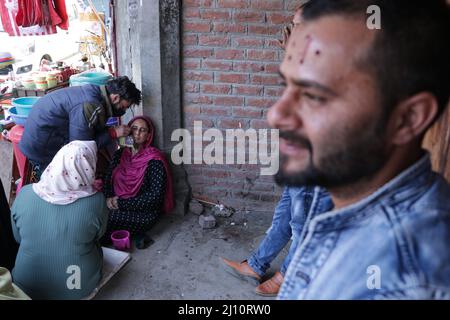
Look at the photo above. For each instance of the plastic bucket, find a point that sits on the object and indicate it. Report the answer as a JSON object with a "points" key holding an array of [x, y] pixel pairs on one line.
{"points": [[121, 239], [90, 77], [24, 105], [15, 135], [18, 119]]}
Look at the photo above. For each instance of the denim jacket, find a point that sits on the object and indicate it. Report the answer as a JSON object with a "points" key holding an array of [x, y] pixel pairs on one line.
{"points": [[394, 244]]}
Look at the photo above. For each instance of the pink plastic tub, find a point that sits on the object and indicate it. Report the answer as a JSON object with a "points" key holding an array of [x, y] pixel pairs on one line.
{"points": [[121, 239]]}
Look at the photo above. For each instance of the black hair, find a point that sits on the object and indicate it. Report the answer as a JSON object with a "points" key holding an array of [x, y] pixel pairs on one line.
{"points": [[410, 53], [125, 89]]}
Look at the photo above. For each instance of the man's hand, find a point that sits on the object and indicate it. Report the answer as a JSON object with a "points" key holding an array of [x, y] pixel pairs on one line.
{"points": [[112, 204], [122, 131]]}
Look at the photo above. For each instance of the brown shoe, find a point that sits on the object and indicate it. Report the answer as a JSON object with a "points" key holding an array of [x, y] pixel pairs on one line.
{"points": [[270, 288], [242, 271]]}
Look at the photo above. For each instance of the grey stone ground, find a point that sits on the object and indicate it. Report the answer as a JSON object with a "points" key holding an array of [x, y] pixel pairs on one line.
{"points": [[183, 263]]}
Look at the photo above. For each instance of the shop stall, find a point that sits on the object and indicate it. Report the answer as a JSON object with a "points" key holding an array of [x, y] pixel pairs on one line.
{"points": [[42, 49]]}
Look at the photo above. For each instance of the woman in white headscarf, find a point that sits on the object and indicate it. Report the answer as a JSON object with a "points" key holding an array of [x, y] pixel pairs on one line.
{"points": [[58, 223]]}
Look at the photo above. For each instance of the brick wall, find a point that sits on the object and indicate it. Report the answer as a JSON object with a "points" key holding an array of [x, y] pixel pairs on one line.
{"points": [[230, 72]]}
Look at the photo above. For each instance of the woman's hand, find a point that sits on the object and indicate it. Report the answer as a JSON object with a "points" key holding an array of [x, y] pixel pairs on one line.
{"points": [[112, 204]]}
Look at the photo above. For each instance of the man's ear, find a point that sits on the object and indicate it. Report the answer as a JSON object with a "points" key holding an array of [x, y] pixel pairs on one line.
{"points": [[115, 98], [412, 117]]}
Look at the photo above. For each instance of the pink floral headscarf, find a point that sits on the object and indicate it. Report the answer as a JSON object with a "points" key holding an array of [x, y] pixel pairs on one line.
{"points": [[70, 176]]}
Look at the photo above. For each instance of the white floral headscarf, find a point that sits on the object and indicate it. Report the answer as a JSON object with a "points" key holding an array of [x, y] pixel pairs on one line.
{"points": [[71, 174]]}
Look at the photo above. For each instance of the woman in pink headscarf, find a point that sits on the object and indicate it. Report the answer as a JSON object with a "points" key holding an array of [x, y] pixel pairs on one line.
{"points": [[138, 184]]}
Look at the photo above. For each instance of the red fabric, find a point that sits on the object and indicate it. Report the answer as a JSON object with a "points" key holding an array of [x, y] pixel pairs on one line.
{"points": [[129, 175], [9, 10], [112, 133], [30, 13], [55, 18], [60, 9]]}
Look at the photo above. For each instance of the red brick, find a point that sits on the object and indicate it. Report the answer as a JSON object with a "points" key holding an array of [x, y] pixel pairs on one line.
{"points": [[248, 42], [237, 4], [216, 111], [265, 30], [273, 92], [279, 18], [191, 64], [229, 28], [190, 39], [215, 173], [191, 13], [249, 16], [263, 55], [198, 76], [229, 54], [266, 80], [192, 109], [269, 198], [189, 121], [215, 15], [246, 195], [259, 124], [248, 90], [191, 87], [216, 89], [267, 4], [197, 3], [217, 65], [196, 27], [232, 78], [272, 67], [248, 67], [246, 174], [273, 43], [262, 179], [197, 99], [216, 195], [228, 101], [232, 124], [233, 185], [260, 102], [247, 112], [198, 53], [219, 41]]}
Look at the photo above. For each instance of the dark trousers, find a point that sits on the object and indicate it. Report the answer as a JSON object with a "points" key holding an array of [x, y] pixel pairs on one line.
{"points": [[8, 246]]}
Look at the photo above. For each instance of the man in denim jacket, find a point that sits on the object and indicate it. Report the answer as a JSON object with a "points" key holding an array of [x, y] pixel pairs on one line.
{"points": [[364, 82]]}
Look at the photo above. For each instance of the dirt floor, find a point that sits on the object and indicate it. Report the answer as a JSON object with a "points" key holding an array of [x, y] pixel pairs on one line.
{"points": [[183, 263]]}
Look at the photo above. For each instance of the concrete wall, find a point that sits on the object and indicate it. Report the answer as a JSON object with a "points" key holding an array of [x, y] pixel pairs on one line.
{"points": [[148, 51]]}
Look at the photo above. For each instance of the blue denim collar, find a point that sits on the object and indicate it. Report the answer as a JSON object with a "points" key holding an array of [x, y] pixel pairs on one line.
{"points": [[395, 191]]}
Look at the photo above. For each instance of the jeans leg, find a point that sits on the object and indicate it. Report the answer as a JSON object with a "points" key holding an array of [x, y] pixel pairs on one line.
{"points": [[302, 201], [288, 258], [277, 237]]}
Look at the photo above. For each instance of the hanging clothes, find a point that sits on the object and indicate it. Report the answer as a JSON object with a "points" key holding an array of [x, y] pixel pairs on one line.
{"points": [[9, 10], [29, 14], [60, 8]]}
